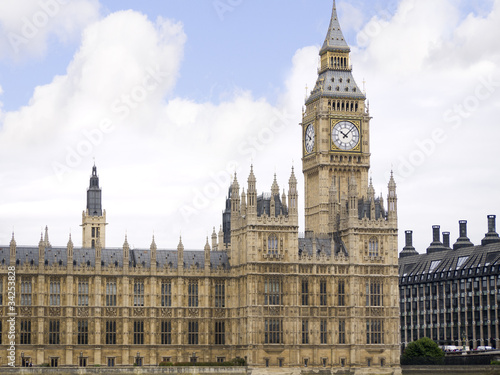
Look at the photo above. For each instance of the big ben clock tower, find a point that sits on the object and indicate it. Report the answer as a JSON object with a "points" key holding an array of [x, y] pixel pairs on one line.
{"points": [[335, 131]]}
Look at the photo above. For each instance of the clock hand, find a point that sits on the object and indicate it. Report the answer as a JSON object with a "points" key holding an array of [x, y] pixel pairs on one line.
{"points": [[345, 135], [350, 130]]}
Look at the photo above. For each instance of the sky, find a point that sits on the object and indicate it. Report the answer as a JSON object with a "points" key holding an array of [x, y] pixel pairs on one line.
{"points": [[171, 98]]}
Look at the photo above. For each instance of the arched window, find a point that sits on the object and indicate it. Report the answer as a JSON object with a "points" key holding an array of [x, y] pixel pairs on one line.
{"points": [[272, 244], [373, 247]]}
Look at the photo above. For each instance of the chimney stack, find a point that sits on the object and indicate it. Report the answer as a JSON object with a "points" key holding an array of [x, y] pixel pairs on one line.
{"points": [[408, 250], [492, 235], [446, 239], [463, 240], [436, 244]]}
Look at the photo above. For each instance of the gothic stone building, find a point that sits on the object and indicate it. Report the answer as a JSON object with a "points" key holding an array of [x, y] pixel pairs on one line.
{"points": [[452, 293], [258, 290]]}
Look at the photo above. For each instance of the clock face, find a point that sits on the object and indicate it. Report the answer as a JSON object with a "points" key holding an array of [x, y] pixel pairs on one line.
{"points": [[345, 135], [310, 138]]}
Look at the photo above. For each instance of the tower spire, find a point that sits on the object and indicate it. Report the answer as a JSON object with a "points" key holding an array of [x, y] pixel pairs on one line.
{"points": [[334, 40]]}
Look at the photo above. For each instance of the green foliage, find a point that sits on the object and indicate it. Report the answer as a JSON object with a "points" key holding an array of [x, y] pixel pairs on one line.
{"points": [[496, 363], [44, 365], [166, 364], [423, 352]]}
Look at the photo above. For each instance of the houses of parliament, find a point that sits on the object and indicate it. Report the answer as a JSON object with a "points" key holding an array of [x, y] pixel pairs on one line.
{"points": [[257, 290]]}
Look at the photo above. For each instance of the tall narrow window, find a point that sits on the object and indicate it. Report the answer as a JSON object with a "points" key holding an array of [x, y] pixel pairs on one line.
{"points": [[138, 332], [374, 294], [83, 332], [341, 331], [305, 293], [323, 332], [25, 336], [193, 293], [1, 292], [111, 293], [55, 293], [341, 292], [54, 332], [272, 244], [83, 293], [374, 331], [0, 332], [193, 332], [220, 333], [220, 293], [305, 332], [139, 293], [166, 332], [373, 247], [166, 293], [110, 332], [25, 293], [272, 291], [322, 293], [273, 331]]}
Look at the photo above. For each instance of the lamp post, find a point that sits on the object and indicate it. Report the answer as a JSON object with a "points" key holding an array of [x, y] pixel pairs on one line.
{"points": [[138, 358], [81, 359]]}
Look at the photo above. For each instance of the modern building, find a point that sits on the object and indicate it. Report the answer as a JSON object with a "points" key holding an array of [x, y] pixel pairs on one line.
{"points": [[257, 290], [451, 294]]}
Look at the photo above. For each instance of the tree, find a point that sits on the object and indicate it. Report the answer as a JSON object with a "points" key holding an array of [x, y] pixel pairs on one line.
{"points": [[423, 352]]}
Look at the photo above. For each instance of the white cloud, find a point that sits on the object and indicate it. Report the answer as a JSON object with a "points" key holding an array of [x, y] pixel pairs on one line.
{"points": [[166, 163], [429, 74], [173, 160], [27, 26]]}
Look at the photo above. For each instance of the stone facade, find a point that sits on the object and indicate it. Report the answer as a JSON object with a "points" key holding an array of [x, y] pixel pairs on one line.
{"points": [[258, 290]]}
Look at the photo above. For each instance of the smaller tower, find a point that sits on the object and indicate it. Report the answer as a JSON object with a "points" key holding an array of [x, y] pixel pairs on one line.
{"points": [[69, 249], [126, 255], [94, 217], [180, 256], [46, 237], [252, 195], [293, 196], [12, 251], [214, 240], [392, 200], [153, 249], [41, 252], [207, 255]]}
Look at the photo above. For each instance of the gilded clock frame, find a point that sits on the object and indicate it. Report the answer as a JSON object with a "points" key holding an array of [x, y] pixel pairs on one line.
{"points": [[307, 153], [356, 123]]}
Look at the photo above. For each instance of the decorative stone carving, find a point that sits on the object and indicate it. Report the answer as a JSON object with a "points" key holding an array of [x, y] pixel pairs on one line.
{"points": [[166, 313], [219, 313], [138, 311], [111, 311], [193, 312], [26, 310], [56, 311], [274, 310]]}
